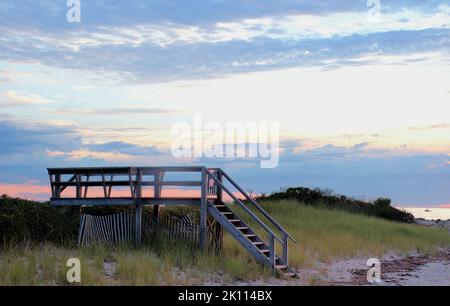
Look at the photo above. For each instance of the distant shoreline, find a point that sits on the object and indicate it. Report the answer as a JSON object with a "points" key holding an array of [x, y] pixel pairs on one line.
{"points": [[434, 213]]}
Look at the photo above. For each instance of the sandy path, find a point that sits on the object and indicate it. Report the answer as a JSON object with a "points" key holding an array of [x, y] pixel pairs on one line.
{"points": [[414, 270], [417, 270]]}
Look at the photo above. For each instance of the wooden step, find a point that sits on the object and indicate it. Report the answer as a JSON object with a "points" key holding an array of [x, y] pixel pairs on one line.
{"points": [[220, 206], [265, 251], [290, 274], [241, 228], [250, 236], [258, 243], [234, 220], [281, 267], [226, 213]]}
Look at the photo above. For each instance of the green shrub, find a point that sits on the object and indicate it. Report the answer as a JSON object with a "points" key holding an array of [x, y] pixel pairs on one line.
{"points": [[28, 221], [325, 198], [382, 203]]}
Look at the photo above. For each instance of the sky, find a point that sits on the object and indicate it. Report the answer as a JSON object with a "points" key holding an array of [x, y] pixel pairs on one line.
{"points": [[360, 89]]}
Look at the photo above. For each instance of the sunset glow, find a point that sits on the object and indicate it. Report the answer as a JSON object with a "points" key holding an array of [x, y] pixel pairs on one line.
{"points": [[363, 106]]}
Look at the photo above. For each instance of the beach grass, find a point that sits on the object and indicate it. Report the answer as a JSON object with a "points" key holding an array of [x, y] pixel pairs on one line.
{"points": [[326, 234], [323, 235]]}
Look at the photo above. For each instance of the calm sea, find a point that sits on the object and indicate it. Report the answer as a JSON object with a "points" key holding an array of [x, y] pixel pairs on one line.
{"points": [[433, 214]]}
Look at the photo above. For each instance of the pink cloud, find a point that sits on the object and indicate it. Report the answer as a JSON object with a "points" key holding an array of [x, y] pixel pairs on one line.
{"points": [[443, 206], [29, 191]]}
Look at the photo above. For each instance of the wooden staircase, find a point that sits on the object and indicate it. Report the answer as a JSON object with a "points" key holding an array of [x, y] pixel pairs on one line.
{"points": [[264, 251]]}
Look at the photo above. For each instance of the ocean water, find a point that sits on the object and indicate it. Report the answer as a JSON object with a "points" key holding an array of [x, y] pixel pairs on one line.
{"points": [[433, 214]]}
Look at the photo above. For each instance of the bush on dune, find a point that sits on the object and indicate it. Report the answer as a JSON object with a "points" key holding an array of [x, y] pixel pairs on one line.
{"points": [[29, 221], [325, 198]]}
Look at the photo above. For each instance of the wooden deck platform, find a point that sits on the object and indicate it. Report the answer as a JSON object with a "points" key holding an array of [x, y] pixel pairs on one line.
{"points": [[73, 187]]}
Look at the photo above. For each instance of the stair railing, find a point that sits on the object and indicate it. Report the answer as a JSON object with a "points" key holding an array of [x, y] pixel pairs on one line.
{"points": [[265, 213], [272, 236]]}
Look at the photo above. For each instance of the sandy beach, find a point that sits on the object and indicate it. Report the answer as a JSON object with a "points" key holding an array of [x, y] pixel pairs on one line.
{"points": [[413, 270]]}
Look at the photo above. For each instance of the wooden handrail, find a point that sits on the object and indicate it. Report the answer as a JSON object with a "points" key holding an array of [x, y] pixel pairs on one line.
{"points": [[265, 213], [255, 217]]}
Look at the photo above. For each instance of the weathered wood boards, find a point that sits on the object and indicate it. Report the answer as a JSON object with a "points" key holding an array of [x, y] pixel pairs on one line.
{"points": [[119, 228], [108, 229]]}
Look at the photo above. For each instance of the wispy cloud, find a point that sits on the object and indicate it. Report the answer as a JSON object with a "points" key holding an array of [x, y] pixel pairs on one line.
{"points": [[431, 127], [273, 36], [13, 98], [194, 12], [88, 154], [114, 111]]}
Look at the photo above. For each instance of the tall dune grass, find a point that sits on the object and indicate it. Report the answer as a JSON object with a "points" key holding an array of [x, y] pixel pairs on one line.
{"points": [[322, 235], [326, 234]]}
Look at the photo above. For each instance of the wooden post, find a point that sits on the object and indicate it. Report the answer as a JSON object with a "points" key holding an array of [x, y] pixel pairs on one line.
{"points": [[219, 188], [81, 230], [219, 229], [203, 210], [79, 188], [158, 178], [285, 253], [57, 187], [272, 251], [86, 187], [138, 209]]}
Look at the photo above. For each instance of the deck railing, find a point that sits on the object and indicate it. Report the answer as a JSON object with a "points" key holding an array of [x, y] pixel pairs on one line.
{"points": [[134, 178]]}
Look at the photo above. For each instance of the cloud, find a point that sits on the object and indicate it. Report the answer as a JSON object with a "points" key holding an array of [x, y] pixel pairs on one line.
{"points": [[431, 127], [28, 148], [28, 190], [327, 35], [84, 154], [125, 148], [22, 137], [362, 145], [46, 14], [12, 98], [5, 76], [289, 27], [114, 111], [203, 60], [402, 177], [176, 40], [10, 76]]}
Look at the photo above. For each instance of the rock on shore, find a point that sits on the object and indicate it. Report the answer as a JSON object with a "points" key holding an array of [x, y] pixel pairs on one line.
{"points": [[433, 223]]}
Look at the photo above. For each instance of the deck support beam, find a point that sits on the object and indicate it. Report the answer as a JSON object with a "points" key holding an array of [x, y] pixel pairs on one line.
{"points": [[219, 228], [158, 178], [138, 210], [203, 211]]}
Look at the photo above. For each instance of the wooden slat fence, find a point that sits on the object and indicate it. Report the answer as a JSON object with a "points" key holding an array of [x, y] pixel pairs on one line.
{"points": [[181, 229], [119, 228], [108, 229]]}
